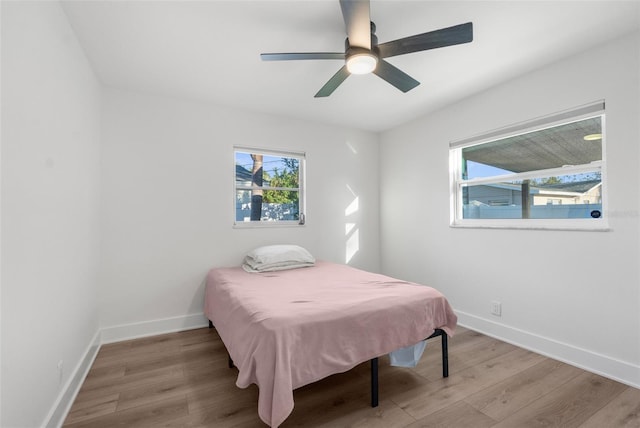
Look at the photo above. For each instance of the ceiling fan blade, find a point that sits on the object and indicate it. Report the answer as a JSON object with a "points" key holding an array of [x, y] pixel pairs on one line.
{"points": [[357, 20], [333, 83], [301, 55], [449, 36], [395, 76]]}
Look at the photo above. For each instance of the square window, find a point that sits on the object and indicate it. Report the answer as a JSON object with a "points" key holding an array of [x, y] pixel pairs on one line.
{"points": [[269, 187]]}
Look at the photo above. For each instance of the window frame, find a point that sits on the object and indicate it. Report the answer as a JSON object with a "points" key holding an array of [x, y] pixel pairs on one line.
{"points": [[301, 189], [457, 183]]}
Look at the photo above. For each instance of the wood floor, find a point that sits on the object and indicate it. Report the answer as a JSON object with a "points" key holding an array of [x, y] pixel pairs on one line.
{"points": [[182, 380]]}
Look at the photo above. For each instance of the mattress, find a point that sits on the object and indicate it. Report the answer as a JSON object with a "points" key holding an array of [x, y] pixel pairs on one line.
{"points": [[289, 328]]}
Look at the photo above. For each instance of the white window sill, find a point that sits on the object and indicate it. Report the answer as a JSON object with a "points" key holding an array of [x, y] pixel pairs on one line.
{"points": [[265, 224], [588, 225]]}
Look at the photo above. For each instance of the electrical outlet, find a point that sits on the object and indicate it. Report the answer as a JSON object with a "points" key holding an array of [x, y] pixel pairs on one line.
{"points": [[496, 308]]}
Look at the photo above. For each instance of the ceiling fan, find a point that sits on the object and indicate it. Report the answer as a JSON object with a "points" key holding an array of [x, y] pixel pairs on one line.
{"points": [[363, 54]]}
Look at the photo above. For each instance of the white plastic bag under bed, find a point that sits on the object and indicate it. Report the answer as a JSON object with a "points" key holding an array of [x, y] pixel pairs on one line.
{"points": [[409, 356]]}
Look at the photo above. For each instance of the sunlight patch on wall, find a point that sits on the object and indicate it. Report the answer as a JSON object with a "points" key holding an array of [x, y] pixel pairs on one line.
{"points": [[352, 245], [348, 228], [352, 208], [353, 149]]}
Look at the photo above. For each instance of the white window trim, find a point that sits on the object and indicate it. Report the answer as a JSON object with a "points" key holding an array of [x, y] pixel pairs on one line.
{"points": [[301, 156], [456, 184]]}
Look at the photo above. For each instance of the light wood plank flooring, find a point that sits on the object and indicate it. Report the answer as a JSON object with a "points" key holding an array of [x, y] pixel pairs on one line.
{"points": [[182, 380]]}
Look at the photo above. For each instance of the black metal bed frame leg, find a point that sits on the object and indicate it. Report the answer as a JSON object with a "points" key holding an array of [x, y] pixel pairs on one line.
{"points": [[374, 382], [210, 324], [374, 365], [445, 356]]}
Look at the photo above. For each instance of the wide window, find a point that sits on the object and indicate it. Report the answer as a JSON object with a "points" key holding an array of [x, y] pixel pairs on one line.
{"points": [[269, 187], [547, 173]]}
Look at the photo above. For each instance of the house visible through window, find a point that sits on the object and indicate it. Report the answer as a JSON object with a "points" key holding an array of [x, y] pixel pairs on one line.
{"points": [[545, 173], [268, 187]]}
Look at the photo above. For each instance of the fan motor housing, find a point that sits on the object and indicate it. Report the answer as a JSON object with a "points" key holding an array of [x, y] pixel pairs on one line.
{"points": [[351, 50]]}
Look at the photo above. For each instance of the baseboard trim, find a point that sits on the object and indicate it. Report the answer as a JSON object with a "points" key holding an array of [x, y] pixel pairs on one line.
{"points": [[68, 393], [611, 368], [151, 328]]}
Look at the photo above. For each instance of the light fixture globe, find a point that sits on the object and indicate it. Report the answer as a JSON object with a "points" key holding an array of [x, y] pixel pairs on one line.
{"points": [[362, 63]]}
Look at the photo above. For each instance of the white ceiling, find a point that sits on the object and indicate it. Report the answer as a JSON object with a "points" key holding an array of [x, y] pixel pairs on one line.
{"points": [[210, 50]]}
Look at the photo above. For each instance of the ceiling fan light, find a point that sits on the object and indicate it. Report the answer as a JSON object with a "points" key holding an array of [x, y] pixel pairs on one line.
{"points": [[362, 63]]}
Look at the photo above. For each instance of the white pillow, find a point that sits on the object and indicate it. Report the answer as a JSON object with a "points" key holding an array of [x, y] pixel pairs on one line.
{"points": [[274, 267], [277, 257], [280, 253]]}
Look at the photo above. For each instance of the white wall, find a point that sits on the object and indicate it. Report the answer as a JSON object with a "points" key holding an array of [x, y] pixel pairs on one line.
{"points": [[50, 209], [168, 174], [583, 302]]}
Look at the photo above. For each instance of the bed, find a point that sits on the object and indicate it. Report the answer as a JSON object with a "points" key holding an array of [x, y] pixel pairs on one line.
{"points": [[284, 329]]}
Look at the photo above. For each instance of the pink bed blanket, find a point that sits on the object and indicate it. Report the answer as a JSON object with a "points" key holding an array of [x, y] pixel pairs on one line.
{"points": [[289, 328]]}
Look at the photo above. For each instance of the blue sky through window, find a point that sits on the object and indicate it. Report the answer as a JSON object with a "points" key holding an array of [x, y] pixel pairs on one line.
{"points": [[269, 163], [480, 170]]}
